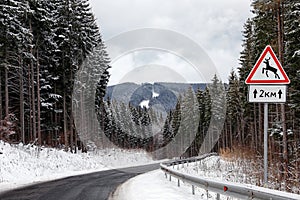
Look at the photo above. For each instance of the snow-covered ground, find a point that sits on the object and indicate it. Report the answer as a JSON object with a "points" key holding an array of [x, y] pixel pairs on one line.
{"points": [[218, 169], [21, 165], [152, 186], [25, 164], [155, 186]]}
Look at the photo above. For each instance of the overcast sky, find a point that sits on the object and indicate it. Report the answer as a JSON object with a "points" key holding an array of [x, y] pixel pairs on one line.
{"points": [[215, 25]]}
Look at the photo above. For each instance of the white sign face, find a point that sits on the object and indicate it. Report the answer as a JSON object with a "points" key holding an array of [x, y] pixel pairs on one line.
{"points": [[267, 93], [267, 70]]}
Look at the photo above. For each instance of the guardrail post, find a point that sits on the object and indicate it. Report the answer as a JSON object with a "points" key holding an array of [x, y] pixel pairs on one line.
{"points": [[166, 175], [178, 183], [170, 178], [193, 189], [207, 195], [218, 196]]}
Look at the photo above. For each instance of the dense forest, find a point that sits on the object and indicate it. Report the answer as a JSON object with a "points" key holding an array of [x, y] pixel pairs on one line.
{"points": [[274, 23], [43, 44]]}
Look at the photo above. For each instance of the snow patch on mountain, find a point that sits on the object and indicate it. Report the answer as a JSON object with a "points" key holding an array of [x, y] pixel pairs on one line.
{"points": [[145, 104], [154, 94]]}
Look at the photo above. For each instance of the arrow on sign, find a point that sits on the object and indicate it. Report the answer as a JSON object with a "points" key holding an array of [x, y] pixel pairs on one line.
{"points": [[280, 93], [255, 93]]}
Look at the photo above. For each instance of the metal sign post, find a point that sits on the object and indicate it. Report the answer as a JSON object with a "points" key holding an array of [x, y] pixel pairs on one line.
{"points": [[267, 82], [265, 144]]}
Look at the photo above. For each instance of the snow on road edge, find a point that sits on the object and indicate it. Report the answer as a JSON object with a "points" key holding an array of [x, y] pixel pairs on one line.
{"points": [[152, 186], [23, 165]]}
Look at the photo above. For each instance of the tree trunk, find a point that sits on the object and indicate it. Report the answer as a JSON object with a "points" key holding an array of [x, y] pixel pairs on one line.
{"points": [[239, 130], [21, 89], [231, 135], [280, 51], [32, 90], [30, 106], [297, 139], [71, 122], [75, 141], [71, 133], [33, 103], [82, 127], [260, 127], [6, 91], [38, 101], [56, 133], [65, 123], [0, 97], [254, 136]]}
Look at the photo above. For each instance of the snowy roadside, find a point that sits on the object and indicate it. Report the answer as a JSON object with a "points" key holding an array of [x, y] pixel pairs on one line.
{"points": [[22, 165], [153, 186]]}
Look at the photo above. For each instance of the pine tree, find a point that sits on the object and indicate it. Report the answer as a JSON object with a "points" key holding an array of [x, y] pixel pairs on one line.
{"points": [[276, 23], [189, 121], [77, 35], [14, 54], [292, 51], [291, 11], [205, 103], [234, 108], [42, 45]]}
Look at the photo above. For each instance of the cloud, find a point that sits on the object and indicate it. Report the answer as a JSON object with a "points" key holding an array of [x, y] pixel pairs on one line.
{"points": [[152, 73], [215, 25], [153, 66]]}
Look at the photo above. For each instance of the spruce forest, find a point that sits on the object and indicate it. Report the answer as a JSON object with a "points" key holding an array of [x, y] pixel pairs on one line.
{"points": [[43, 44]]}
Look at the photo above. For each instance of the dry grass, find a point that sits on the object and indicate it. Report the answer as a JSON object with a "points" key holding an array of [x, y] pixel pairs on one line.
{"points": [[251, 163], [238, 152]]}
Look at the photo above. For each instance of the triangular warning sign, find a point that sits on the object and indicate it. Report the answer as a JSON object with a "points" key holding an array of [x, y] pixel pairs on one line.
{"points": [[267, 70]]}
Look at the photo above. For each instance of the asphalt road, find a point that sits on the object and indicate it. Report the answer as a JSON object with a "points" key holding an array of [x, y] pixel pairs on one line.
{"points": [[92, 186]]}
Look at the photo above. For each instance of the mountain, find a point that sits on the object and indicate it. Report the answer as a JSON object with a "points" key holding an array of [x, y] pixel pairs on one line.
{"points": [[160, 94]]}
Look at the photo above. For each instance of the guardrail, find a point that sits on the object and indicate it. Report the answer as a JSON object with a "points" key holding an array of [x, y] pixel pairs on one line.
{"points": [[189, 160], [226, 188]]}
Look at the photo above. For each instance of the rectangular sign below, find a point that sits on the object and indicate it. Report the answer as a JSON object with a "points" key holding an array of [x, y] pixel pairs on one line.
{"points": [[267, 93]]}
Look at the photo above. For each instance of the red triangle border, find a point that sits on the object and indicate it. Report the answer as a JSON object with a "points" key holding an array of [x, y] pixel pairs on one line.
{"points": [[253, 71]]}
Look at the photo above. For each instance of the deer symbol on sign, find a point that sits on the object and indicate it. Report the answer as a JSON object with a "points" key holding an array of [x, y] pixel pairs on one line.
{"points": [[269, 68]]}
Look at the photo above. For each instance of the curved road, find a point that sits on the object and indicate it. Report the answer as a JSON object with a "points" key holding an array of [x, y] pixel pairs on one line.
{"points": [[98, 185]]}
